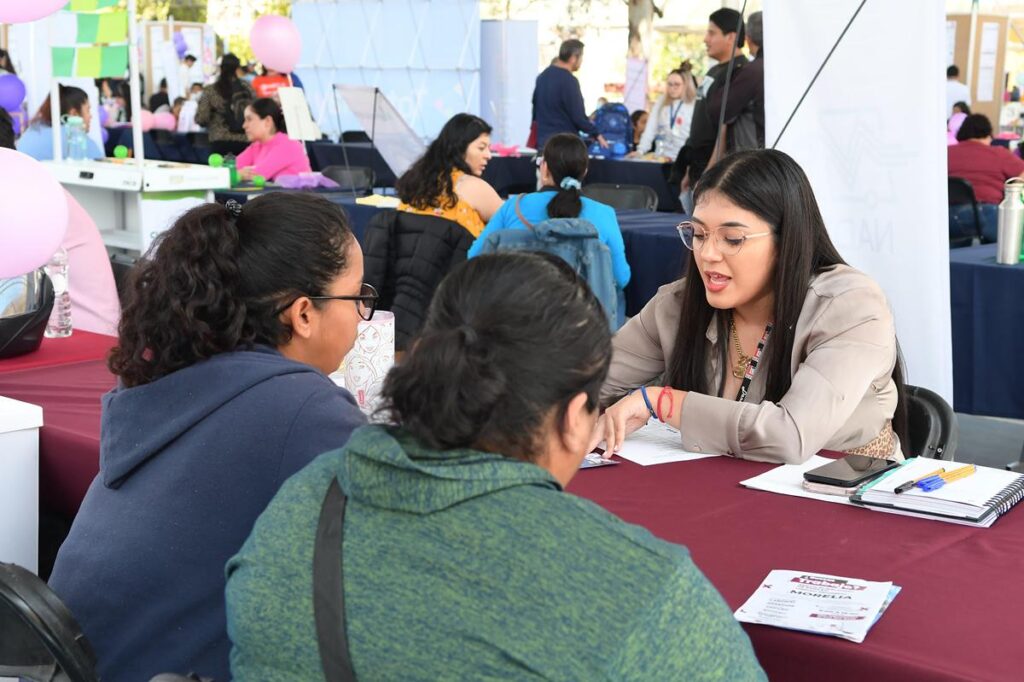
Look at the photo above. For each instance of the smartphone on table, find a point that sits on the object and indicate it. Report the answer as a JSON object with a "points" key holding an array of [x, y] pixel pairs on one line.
{"points": [[849, 472]]}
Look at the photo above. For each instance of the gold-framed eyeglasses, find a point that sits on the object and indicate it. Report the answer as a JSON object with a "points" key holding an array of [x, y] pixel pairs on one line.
{"points": [[729, 240]]}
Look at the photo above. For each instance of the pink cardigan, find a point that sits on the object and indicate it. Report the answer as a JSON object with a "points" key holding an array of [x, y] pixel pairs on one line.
{"points": [[94, 304], [280, 155]]}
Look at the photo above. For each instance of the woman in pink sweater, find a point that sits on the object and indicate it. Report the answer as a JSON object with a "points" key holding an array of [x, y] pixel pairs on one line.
{"points": [[271, 152]]}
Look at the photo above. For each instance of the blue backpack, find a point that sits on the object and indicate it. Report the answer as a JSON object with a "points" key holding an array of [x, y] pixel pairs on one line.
{"points": [[575, 241], [613, 123]]}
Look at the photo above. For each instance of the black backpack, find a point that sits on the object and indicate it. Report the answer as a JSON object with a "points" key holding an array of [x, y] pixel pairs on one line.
{"points": [[234, 113]]}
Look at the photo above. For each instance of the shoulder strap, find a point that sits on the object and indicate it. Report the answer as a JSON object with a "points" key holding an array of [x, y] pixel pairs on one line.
{"points": [[329, 589], [519, 214]]}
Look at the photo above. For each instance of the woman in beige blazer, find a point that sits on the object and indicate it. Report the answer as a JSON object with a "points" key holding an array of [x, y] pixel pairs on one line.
{"points": [[773, 348]]}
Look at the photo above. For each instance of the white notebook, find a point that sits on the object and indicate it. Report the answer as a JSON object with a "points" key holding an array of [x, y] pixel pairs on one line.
{"points": [[974, 498]]}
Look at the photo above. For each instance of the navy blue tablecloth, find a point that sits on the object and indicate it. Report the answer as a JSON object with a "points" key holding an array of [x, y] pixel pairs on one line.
{"points": [[511, 174], [515, 174], [324, 154], [655, 254], [625, 172], [359, 215], [987, 303], [161, 145]]}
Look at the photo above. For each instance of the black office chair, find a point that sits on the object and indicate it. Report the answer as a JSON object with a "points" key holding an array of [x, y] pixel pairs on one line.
{"points": [[168, 145], [355, 136], [931, 424], [200, 143], [623, 196], [962, 233], [358, 179], [39, 638]]}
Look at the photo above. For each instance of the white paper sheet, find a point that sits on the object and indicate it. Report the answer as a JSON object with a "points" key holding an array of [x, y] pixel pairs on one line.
{"points": [[657, 443], [987, 61], [819, 603], [788, 479]]}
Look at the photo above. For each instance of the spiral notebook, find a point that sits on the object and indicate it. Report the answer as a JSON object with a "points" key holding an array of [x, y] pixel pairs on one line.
{"points": [[978, 499]]}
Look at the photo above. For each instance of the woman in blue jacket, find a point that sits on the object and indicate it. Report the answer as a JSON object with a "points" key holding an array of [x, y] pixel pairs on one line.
{"points": [[562, 169], [37, 140], [229, 330]]}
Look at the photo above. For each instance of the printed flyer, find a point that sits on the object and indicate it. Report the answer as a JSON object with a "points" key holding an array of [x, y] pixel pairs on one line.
{"points": [[819, 603]]}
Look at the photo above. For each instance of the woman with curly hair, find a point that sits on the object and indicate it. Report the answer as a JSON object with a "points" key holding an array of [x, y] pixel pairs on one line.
{"points": [[229, 330], [445, 181]]}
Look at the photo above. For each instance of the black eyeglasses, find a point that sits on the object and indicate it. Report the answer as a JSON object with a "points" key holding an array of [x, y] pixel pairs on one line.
{"points": [[366, 301]]}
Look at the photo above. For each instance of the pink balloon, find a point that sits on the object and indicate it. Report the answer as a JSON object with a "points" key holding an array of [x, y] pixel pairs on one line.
{"points": [[20, 11], [165, 121], [147, 120], [276, 42], [35, 215]]}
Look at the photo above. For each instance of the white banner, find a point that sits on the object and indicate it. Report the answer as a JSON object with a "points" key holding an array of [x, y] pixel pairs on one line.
{"points": [[870, 137]]}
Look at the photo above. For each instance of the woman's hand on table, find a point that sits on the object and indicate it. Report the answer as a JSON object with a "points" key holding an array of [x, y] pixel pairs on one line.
{"points": [[247, 173], [620, 420]]}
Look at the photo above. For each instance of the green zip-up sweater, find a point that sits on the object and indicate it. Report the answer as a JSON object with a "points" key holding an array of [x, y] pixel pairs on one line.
{"points": [[465, 565]]}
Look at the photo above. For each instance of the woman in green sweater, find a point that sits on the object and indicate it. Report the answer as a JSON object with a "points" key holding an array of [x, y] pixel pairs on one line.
{"points": [[463, 556]]}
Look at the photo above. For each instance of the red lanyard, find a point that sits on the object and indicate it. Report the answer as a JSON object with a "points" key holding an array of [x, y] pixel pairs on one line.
{"points": [[754, 362]]}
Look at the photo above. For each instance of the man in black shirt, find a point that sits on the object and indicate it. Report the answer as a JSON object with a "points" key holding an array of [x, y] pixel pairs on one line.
{"points": [[723, 42]]}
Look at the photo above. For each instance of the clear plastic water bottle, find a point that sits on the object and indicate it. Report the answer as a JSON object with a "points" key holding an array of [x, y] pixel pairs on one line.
{"points": [[659, 142], [59, 325], [76, 142]]}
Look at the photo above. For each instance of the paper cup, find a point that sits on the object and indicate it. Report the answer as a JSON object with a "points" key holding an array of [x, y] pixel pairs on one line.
{"points": [[370, 359]]}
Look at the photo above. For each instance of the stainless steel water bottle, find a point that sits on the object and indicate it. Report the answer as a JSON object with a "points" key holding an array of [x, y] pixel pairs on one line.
{"points": [[1011, 223]]}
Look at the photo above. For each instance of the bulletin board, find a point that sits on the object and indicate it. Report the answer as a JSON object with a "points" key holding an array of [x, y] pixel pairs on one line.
{"points": [[988, 67]]}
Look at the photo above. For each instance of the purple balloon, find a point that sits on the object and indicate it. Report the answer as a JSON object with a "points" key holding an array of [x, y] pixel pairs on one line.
{"points": [[12, 92], [104, 116], [105, 134]]}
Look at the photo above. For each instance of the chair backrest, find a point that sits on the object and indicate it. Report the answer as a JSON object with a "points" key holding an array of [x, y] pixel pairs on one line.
{"points": [[961, 192], [623, 197], [351, 178], [355, 136], [932, 426], [575, 241], [964, 214], [39, 638], [405, 257]]}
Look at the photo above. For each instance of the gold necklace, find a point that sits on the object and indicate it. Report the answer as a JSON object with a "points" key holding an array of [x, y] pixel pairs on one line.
{"points": [[743, 363]]}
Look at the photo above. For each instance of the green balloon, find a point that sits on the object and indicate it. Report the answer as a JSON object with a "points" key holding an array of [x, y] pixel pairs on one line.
{"points": [[120, 152], [215, 160], [259, 180]]}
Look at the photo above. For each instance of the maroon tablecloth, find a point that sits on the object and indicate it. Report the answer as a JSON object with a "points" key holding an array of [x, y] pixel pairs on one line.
{"points": [[957, 618], [69, 442], [75, 348]]}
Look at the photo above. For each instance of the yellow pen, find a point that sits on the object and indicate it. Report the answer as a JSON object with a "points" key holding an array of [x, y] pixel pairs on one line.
{"points": [[956, 474], [948, 477]]}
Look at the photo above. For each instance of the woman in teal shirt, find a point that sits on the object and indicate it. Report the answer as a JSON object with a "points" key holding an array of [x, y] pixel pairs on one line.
{"points": [[37, 140], [562, 169], [463, 557]]}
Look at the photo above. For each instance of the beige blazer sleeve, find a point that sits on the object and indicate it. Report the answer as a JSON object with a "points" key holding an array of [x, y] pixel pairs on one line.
{"points": [[638, 357], [847, 351]]}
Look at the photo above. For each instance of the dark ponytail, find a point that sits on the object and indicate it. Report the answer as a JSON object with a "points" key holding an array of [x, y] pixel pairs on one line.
{"points": [[214, 282], [70, 98], [264, 107], [508, 339], [566, 157], [228, 75]]}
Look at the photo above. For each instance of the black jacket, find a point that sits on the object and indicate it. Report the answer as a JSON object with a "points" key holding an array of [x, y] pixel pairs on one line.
{"points": [[405, 257]]}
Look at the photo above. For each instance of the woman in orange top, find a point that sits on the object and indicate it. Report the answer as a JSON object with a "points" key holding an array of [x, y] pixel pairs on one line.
{"points": [[446, 181]]}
